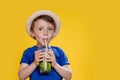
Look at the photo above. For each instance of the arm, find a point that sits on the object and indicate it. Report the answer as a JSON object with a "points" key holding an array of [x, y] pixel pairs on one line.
{"points": [[26, 70], [64, 71]]}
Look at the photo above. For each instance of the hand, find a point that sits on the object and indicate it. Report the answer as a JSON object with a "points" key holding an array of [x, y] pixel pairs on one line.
{"points": [[39, 56], [51, 58]]}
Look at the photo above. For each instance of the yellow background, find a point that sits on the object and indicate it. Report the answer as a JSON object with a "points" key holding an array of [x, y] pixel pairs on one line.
{"points": [[90, 36]]}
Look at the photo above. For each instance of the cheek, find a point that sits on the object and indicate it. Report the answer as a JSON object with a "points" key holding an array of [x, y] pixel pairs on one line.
{"points": [[52, 33], [51, 36], [38, 35]]}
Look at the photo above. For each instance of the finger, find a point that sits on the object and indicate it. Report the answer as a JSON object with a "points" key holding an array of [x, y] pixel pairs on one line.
{"points": [[42, 59], [50, 51], [38, 56], [41, 53], [38, 51], [51, 54], [49, 60], [47, 57], [41, 56]]}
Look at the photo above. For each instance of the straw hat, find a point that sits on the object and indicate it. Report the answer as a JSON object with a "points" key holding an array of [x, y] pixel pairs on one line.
{"points": [[43, 12]]}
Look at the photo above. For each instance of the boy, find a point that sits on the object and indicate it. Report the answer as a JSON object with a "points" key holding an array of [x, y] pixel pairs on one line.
{"points": [[43, 26]]}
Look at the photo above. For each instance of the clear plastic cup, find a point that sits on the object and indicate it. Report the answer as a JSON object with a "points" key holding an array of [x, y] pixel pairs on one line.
{"points": [[44, 66]]}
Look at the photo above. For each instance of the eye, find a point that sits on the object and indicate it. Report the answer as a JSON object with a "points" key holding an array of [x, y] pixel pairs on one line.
{"points": [[40, 29], [50, 29]]}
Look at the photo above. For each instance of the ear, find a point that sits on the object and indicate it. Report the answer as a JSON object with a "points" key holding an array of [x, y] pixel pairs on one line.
{"points": [[32, 33]]}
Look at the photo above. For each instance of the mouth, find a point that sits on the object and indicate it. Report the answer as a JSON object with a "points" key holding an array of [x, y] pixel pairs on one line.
{"points": [[45, 39]]}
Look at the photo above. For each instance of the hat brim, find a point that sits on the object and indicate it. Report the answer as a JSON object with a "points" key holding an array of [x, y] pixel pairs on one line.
{"points": [[43, 12]]}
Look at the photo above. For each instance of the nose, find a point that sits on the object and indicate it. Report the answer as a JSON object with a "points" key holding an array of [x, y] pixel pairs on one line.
{"points": [[45, 36], [45, 32]]}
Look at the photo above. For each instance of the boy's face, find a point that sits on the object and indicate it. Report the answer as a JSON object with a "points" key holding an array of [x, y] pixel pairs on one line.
{"points": [[42, 30]]}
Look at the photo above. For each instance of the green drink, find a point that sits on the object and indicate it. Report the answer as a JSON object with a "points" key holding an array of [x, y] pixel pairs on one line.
{"points": [[45, 67]]}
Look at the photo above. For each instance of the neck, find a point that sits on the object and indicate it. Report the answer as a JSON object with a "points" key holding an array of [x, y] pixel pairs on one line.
{"points": [[39, 44]]}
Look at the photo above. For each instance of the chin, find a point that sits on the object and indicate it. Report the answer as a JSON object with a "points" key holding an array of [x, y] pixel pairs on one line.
{"points": [[40, 43]]}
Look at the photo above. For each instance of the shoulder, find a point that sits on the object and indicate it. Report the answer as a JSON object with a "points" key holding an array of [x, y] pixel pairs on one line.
{"points": [[28, 55], [57, 48], [60, 55], [30, 49]]}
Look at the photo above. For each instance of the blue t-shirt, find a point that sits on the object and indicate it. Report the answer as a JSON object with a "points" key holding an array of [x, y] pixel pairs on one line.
{"points": [[61, 59]]}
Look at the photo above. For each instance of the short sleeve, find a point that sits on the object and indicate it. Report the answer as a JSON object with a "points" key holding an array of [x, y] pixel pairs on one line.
{"points": [[25, 58], [63, 58]]}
